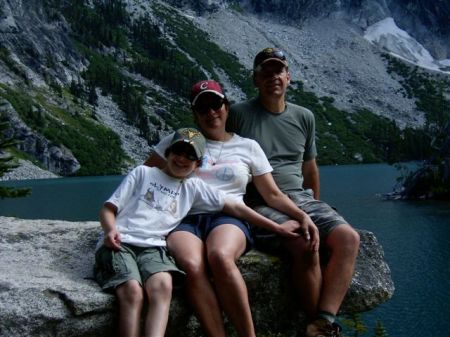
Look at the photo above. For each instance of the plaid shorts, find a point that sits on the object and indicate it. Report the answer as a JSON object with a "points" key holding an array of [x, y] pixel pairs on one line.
{"points": [[325, 217], [112, 268]]}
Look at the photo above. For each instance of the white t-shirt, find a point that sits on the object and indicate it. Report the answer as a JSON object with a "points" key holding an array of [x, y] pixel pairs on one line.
{"points": [[228, 166], [150, 204]]}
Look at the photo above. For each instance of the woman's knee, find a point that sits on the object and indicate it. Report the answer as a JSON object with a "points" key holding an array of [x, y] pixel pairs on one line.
{"points": [[221, 260]]}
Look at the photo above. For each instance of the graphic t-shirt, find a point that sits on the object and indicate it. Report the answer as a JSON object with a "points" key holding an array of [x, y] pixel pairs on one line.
{"points": [[150, 204], [228, 166]]}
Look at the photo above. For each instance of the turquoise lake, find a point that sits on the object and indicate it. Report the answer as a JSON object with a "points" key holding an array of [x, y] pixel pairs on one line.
{"points": [[415, 235]]}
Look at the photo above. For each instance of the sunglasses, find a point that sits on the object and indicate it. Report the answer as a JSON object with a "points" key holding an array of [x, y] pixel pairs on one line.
{"points": [[203, 109], [184, 150]]}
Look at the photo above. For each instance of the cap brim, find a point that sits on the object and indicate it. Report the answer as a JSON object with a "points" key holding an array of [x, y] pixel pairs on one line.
{"points": [[273, 59], [205, 91]]}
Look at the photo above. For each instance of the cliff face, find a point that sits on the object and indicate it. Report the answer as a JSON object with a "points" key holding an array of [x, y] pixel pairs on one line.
{"points": [[62, 86], [46, 286]]}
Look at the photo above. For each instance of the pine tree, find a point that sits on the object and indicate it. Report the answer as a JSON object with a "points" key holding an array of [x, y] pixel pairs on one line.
{"points": [[7, 165], [380, 331]]}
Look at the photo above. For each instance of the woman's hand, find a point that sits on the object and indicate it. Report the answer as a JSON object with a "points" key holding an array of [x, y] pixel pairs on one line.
{"points": [[310, 232], [112, 239], [289, 229]]}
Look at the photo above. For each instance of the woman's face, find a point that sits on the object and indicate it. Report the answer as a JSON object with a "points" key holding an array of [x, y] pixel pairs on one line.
{"points": [[210, 113]]}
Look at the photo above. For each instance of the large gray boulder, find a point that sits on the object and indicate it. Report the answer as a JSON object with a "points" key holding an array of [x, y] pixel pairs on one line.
{"points": [[46, 286]]}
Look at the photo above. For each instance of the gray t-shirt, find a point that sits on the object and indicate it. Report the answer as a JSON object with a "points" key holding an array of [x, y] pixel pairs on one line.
{"points": [[287, 138]]}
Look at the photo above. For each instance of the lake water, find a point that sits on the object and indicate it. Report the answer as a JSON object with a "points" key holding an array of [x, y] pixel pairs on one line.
{"points": [[415, 235]]}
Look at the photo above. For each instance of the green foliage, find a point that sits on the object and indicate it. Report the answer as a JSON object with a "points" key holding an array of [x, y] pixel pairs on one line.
{"points": [[96, 147], [355, 325], [357, 137], [432, 178], [7, 164], [380, 331]]}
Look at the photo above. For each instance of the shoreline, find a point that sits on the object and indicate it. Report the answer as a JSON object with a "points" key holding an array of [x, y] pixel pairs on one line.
{"points": [[27, 171]]}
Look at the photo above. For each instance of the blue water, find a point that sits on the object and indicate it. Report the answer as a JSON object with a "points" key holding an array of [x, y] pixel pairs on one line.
{"points": [[415, 235]]}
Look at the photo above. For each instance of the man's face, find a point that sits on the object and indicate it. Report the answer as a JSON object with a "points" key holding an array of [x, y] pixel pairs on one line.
{"points": [[272, 79]]}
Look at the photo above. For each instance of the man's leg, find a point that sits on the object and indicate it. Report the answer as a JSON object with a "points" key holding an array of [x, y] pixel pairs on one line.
{"points": [[189, 252], [131, 298], [158, 288], [225, 244], [306, 273], [342, 244]]}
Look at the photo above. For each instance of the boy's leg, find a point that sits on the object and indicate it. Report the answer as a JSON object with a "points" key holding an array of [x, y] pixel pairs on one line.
{"points": [[117, 271], [158, 288], [131, 299]]}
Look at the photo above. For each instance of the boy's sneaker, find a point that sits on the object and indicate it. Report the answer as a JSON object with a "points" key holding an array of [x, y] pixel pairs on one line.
{"points": [[322, 328]]}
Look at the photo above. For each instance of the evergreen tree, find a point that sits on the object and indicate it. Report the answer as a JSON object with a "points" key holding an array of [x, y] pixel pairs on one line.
{"points": [[380, 331], [7, 165]]}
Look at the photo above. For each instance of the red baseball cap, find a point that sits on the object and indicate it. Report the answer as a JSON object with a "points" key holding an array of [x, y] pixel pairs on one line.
{"points": [[203, 87]]}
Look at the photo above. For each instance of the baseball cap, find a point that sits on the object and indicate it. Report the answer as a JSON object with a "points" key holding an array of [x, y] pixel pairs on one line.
{"points": [[269, 54], [190, 136], [203, 87]]}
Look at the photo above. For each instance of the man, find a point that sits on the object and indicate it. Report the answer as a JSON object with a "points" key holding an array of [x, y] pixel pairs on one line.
{"points": [[286, 132]]}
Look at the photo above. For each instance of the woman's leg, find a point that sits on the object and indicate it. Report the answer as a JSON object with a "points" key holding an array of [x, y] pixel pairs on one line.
{"points": [[225, 244], [131, 298], [158, 288], [189, 252]]}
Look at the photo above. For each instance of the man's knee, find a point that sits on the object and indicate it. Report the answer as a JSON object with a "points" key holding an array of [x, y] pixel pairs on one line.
{"points": [[344, 239]]}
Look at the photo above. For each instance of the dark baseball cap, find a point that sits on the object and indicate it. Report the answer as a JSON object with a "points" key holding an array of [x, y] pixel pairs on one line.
{"points": [[192, 137], [269, 54]]}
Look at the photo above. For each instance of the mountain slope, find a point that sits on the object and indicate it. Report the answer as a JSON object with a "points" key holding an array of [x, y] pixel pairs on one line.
{"points": [[100, 82]]}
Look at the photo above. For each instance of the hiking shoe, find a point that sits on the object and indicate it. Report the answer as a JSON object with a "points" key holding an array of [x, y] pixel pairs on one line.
{"points": [[322, 328]]}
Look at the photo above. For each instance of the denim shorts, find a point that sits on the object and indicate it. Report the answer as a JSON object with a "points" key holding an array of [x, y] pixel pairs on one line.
{"points": [[202, 224], [325, 217], [112, 268]]}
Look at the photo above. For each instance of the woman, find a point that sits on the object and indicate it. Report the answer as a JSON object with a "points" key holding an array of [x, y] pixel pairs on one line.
{"points": [[214, 242]]}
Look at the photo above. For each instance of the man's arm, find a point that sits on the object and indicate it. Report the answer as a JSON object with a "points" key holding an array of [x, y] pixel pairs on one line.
{"points": [[311, 179]]}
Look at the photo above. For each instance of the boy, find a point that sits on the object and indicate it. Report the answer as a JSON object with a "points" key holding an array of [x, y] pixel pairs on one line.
{"points": [[148, 204]]}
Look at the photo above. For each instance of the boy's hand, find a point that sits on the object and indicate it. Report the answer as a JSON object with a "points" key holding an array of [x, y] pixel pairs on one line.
{"points": [[289, 228], [112, 239]]}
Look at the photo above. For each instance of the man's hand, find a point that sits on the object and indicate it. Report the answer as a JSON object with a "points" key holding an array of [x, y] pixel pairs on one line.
{"points": [[112, 239], [289, 229]]}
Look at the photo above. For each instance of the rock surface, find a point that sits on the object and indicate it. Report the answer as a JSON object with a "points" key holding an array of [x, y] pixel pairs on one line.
{"points": [[46, 286]]}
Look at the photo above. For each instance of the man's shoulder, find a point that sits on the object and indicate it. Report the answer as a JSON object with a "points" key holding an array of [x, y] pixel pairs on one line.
{"points": [[244, 105]]}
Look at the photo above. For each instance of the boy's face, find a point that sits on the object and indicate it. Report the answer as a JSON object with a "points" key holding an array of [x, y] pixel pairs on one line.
{"points": [[181, 160]]}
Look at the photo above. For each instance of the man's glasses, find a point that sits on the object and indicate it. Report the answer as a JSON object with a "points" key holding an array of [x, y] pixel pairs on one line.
{"points": [[203, 109], [184, 150]]}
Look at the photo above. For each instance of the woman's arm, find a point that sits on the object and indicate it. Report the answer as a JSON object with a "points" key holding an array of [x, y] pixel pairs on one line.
{"points": [[108, 222], [276, 199], [155, 160], [242, 211]]}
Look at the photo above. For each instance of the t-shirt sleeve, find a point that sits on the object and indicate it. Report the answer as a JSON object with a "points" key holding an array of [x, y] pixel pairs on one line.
{"points": [[207, 198], [310, 144], [260, 164], [126, 188], [163, 144]]}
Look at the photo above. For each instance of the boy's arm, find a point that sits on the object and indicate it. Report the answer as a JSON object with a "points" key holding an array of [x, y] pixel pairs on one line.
{"points": [[242, 211], [108, 222]]}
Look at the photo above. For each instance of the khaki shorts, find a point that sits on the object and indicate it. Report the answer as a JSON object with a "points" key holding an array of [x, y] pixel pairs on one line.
{"points": [[112, 268]]}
